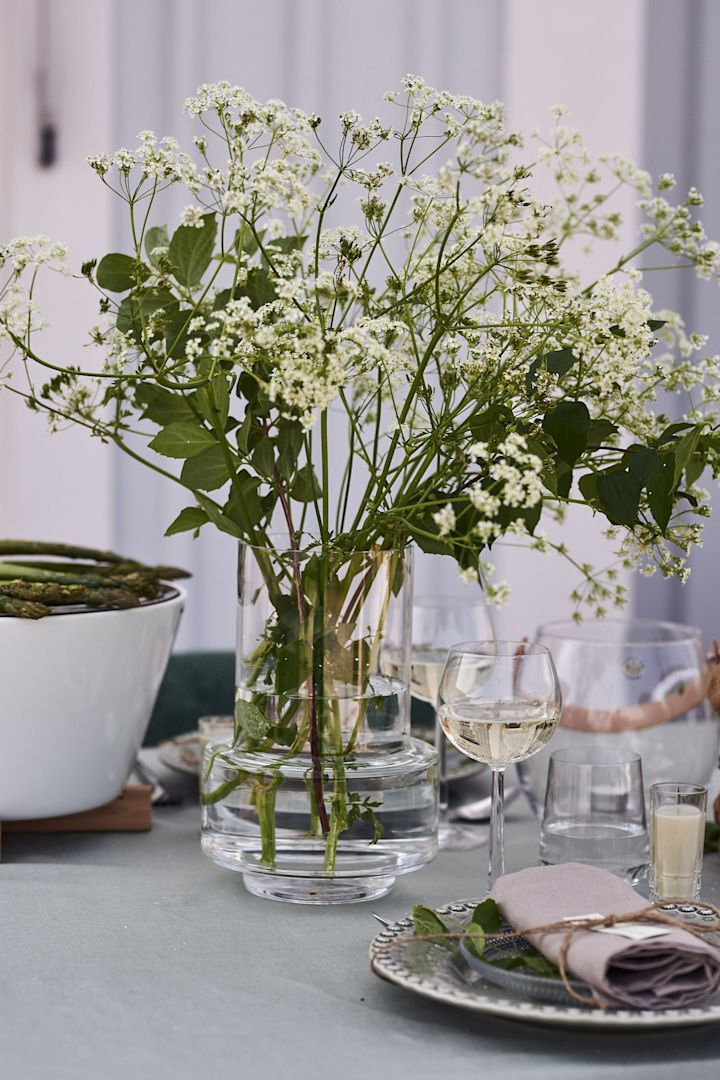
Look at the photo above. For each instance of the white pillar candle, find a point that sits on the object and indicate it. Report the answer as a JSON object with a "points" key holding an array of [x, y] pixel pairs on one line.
{"points": [[678, 833]]}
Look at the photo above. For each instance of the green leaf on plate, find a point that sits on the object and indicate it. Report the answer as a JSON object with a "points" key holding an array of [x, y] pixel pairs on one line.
{"points": [[428, 923], [487, 916]]}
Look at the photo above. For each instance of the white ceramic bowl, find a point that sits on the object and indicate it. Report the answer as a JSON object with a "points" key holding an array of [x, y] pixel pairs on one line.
{"points": [[76, 693]]}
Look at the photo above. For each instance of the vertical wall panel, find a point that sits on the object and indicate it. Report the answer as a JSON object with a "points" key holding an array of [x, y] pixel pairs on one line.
{"points": [[682, 135], [60, 486]]}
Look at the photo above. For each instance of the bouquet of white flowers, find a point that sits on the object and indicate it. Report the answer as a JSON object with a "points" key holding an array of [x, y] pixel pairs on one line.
{"points": [[410, 285]]}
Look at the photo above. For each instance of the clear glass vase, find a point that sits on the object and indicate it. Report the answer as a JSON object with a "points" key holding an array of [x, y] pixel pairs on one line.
{"points": [[636, 685], [321, 795]]}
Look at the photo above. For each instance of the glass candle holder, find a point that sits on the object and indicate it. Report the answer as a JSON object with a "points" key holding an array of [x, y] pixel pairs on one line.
{"points": [[677, 828]]}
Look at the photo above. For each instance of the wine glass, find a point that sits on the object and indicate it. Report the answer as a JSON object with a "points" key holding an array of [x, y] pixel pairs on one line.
{"points": [[438, 622], [499, 702]]}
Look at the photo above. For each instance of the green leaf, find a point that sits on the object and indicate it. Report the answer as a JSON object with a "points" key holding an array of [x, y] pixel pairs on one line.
{"points": [[475, 939], [250, 721], [660, 484], [292, 667], [563, 479], [245, 241], [258, 288], [263, 457], [491, 424], [540, 965], [558, 362], [191, 518], [306, 486], [618, 493], [214, 399], [568, 423], [600, 430], [640, 461], [182, 439], [695, 467], [671, 431], [191, 250], [137, 308], [220, 520], [208, 470], [370, 817], [428, 923], [118, 273], [156, 237], [176, 332], [656, 324], [162, 406], [487, 916], [684, 449], [286, 244], [290, 440], [244, 431], [244, 506]]}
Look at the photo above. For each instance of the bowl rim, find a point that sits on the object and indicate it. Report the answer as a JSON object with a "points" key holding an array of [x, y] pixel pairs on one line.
{"points": [[174, 594]]}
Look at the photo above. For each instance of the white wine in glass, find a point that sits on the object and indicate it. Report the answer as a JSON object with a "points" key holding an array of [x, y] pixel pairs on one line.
{"points": [[426, 668], [499, 733], [499, 702]]}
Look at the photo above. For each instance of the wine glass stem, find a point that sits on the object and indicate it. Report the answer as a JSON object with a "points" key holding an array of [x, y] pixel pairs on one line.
{"points": [[444, 792], [497, 844]]}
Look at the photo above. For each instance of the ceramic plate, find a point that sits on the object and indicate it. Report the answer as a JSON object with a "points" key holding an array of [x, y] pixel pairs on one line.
{"points": [[437, 973], [182, 753]]}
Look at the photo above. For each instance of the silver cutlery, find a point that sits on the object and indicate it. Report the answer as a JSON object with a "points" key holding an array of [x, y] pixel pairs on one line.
{"points": [[380, 919]]}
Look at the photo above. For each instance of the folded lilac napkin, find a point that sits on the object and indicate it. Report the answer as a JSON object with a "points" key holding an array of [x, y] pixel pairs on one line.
{"points": [[673, 971]]}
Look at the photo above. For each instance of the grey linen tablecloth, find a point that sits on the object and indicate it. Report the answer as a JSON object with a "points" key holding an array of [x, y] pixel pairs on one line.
{"points": [[673, 971], [134, 958]]}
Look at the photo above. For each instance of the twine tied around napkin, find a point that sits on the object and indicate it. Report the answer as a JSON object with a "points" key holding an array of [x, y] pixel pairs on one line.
{"points": [[569, 927], [677, 969]]}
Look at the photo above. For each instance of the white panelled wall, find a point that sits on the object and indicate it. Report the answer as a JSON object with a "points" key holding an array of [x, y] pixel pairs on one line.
{"points": [[122, 65], [59, 487]]}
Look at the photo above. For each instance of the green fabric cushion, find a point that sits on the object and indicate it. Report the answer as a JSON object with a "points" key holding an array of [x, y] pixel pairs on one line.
{"points": [[196, 684]]}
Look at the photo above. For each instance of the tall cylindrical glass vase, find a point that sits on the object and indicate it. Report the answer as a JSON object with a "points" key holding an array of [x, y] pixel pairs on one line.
{"points": [[321, 796]]}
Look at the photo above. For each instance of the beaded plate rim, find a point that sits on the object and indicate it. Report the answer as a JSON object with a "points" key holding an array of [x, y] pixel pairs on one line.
{"points": [[387, 961]]}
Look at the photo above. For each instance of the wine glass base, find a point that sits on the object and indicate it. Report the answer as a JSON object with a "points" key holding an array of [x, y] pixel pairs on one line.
{"points": [[454, 837]]}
